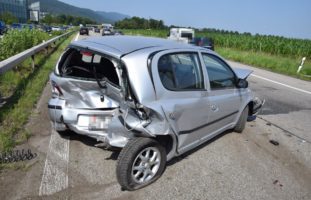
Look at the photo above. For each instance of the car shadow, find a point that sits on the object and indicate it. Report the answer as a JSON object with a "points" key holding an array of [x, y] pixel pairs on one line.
{"points": [[116, 151], [91, 142]]}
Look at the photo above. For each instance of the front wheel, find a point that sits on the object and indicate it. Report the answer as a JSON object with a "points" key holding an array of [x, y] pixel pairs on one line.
{"points": [[141, 162], [242, 121]]}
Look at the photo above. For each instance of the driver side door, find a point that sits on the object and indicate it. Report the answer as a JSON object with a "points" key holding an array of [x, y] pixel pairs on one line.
{"points": [[224, 97]]}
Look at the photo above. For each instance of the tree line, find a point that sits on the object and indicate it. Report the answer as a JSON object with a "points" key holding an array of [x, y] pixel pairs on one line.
{"points": [[66, 19], [140, 23]]}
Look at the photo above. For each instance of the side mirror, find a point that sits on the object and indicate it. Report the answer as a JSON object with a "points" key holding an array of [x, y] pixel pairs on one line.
{"points": [[242, 83]]}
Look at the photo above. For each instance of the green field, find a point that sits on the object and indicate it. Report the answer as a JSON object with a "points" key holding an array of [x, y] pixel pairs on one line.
{"points": [[24, 88], [278, 54]]}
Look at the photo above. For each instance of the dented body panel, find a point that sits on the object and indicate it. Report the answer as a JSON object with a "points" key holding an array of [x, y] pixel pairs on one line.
{"points": [[133, 102]]}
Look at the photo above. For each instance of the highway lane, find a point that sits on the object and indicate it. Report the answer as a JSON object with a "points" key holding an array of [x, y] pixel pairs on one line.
{"points": [[287, 106], [232, 166]]}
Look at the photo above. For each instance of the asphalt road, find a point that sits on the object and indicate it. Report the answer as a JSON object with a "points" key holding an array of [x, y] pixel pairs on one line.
{"points": [[231, 166], [288, 101]]}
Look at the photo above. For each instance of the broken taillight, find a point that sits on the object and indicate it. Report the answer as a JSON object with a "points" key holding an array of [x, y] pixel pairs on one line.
{"points": [[56, 91], [87, 56]]}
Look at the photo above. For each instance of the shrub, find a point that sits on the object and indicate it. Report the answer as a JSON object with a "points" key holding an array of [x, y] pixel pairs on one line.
{"points": [[16, 41]]}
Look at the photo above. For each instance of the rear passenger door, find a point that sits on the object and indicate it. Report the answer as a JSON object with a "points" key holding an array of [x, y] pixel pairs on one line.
{"points": [[181, 92]]}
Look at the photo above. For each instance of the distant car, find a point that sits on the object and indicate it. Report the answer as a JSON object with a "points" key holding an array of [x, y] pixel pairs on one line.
{"points": [[90, 28], [56, 28], [84, 31], [204, 42], [118, 33], [46, 28], [107, 32], [28, 26], [154, 98], [3, 28], [17, 26], [97, 30]]}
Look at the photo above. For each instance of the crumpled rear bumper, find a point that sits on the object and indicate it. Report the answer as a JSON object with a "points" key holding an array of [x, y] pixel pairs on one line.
{"points": [[64, 117]]}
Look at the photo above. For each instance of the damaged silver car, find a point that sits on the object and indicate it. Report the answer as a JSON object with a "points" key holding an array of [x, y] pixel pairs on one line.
{"points": [[154, 98]]}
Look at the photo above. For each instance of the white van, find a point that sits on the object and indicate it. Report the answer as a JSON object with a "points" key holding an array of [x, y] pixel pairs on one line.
{"points": [[184, 35]]}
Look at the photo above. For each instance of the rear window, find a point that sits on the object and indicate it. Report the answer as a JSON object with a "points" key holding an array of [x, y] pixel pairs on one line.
{"points": [[88, 65], [187, 35]]}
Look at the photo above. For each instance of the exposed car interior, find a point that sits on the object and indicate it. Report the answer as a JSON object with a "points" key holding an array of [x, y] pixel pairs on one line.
{"points": [[180, 71], [75, 65]]}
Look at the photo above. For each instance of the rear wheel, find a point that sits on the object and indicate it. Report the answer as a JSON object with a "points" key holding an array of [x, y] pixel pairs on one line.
{"points": [[141, 162], [242, 121]]}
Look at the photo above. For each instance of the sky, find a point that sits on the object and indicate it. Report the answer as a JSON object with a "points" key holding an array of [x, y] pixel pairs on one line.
{"points": [[287, 18]]}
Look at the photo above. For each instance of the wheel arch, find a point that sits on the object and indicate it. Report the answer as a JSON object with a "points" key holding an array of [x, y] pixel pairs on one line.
{"points": [[169, 143], [250, 107]]}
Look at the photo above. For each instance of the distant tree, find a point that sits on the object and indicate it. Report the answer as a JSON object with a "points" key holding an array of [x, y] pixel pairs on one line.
{"points": [[8, 18], [48, 19], [66, 19], [140, 23]]}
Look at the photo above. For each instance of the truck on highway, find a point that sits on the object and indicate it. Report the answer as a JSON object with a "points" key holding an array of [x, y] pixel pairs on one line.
{"points": [[184, 35]]}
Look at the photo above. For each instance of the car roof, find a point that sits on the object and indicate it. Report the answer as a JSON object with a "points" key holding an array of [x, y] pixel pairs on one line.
{"points": [[121, 45]]}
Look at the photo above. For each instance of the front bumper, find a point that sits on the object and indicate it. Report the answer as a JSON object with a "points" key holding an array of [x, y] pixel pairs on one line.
{"points": [[64, 117], [257, 106]]}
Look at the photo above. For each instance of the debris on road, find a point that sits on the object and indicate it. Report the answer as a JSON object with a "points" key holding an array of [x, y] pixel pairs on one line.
{"points": [[277, 182], [16, 156], [274, 142]]}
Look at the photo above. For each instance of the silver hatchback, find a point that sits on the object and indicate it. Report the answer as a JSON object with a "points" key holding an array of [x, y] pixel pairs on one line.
{"points": [[154, 98]]}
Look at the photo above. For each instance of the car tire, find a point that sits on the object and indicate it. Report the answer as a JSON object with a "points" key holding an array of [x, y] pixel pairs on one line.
{"points": [[136, 168], [242, 121]]}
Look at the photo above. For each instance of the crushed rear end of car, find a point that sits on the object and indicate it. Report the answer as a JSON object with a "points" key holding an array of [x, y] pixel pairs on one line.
{"points": [[92, 96]]}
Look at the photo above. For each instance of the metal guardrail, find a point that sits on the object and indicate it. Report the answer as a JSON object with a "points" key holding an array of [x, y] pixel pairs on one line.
{"points": [[13, 61]]}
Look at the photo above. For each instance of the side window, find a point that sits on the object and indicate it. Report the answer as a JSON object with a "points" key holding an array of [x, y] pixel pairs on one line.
{"points": [[219, 73], [181, 71]]}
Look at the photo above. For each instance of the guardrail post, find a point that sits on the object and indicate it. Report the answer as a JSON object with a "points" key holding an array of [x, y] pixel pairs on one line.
{"points": [[33, 62], [46, 50], [301, 64]]}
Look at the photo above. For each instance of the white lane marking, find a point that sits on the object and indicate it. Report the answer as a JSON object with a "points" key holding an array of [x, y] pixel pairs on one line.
{"points": [[285, 85], [55, 173], [77, 37]]}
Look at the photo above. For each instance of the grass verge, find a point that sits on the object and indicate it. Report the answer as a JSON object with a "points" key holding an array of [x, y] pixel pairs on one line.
{"points": [[283, 65], [16, 112]]}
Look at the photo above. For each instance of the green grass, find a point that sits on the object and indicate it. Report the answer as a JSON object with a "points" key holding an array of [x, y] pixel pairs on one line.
{"points": [[10, 80], [283, 65], [16, 112]]}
